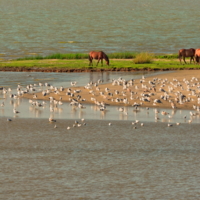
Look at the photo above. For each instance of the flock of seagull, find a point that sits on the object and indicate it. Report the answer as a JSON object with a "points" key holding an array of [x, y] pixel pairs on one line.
{"points": [[135, 93]]}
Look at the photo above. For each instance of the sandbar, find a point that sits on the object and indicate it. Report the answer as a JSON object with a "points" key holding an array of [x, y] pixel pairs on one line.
{"points": [[179, 89]]}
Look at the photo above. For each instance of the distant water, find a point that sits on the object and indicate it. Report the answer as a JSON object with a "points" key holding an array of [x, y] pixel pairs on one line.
{"points": [[45, 26]]}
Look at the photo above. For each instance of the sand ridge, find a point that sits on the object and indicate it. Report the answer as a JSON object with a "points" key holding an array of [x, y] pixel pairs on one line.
{"points": [[179, 89]]}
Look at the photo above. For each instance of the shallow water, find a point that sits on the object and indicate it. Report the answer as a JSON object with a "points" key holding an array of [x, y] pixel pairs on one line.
{"points": [[65, 111], [13, 79], [98, 161], [45, 26]]}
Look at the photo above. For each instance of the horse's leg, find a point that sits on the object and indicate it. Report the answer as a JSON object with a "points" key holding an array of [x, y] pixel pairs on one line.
{"points": [[184, 59], [90, 59], [197, 59], [193, 59], [102, 62], [180, 58], [98, 61]]}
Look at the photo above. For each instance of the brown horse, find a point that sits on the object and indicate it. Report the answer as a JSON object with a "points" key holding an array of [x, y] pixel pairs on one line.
{"points": [[183, 53], [100, 55], [197, 55]]}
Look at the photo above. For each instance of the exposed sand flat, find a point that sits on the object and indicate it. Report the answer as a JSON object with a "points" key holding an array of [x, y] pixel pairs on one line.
{"points": [[180, 88]]}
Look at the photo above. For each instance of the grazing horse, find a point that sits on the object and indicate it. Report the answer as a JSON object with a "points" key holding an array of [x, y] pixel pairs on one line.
{"points": [[98, 56], [183, 53], [197, 55]]}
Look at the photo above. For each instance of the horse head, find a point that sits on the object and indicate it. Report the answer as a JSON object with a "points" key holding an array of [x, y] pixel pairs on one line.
{"points": [[106, 59], [107, 62]]}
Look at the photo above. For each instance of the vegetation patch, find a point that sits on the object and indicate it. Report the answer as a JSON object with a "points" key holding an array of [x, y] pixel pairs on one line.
{"points": [[144, 58], [117, 55]]}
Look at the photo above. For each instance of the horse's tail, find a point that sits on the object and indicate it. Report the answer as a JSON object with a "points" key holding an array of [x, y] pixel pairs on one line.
{"points": [[180, 53], [90, 59]]}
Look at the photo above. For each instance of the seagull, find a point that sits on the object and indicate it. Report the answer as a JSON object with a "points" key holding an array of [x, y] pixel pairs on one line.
{"points": [[109, 124], [121, 109], [73, 83], [9, 120], [51, 119], [15, 111], [68, 127]]}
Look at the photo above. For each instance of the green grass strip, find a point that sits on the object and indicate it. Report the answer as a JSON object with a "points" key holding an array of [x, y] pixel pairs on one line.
{"points": [[69, 56]]}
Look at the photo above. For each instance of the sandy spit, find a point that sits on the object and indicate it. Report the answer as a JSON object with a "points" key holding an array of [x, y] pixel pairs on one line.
{"points": [[179, 89]]}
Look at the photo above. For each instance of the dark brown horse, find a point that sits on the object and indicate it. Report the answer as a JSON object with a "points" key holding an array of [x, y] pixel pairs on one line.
{"points": [[183, 53], [98, 55], [197, 55]]}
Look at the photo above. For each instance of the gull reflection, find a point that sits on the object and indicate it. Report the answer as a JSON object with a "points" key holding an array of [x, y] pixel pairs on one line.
{"points": [[80, 114], [103, 114]]}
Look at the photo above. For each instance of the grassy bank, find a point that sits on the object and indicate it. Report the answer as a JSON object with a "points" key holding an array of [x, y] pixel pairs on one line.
{"points": [[82, 65], [79, 62]]}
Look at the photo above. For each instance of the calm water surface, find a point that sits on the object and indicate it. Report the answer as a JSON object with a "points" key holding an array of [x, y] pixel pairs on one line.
{"points": [[46, 26], [95, 161], [98, 161]]}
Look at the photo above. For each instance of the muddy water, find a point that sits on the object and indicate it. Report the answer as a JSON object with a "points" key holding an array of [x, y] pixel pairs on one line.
{"points": [[98, 161]]}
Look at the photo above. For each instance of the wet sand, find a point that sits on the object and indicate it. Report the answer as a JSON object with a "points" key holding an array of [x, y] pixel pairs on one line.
{"points": [[186, 83]]}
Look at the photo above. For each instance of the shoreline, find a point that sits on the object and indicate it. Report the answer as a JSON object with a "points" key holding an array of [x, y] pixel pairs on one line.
{"points": [[66, 70]]}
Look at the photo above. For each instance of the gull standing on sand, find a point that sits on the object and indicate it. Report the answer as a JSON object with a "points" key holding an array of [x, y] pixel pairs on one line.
{"points": [[51, 119]]}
